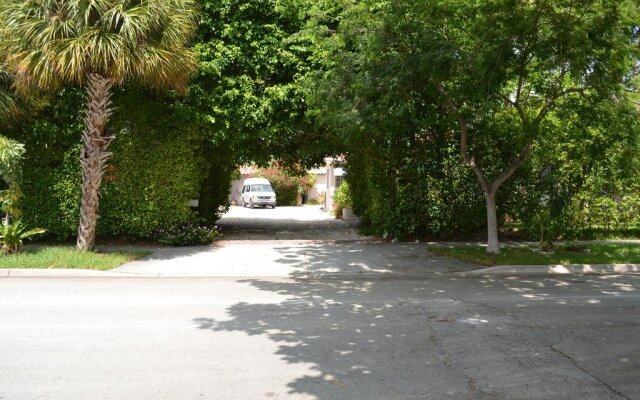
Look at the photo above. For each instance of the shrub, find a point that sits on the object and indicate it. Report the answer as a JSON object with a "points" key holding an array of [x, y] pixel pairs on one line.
{"points": [[188, 235], [421, 191], [12, 236], [286, 187], [157, 167], [342, 199]]}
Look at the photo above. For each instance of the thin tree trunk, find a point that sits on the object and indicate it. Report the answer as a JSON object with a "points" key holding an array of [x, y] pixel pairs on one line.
{"points": [[493, 245], [93, 156]]}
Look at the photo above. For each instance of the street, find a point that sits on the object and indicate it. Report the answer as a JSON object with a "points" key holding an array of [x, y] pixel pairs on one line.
{"points": [[438, 337]]}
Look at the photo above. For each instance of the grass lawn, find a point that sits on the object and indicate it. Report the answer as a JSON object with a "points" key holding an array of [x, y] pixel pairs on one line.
{"points": [[68, 257], [609, 253]]}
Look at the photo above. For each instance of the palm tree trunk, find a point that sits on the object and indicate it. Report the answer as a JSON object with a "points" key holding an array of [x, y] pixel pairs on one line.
{"points": [[94, 155]]}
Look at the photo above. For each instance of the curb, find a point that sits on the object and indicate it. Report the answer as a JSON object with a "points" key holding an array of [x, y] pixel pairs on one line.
{"points": [[503, 270], [80, 273], [290, 242], [572, 269], [60, 273]]}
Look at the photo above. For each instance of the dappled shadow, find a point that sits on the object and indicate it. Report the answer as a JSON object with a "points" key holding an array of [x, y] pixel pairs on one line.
{"points": [[448, 338], [360, 259], [286, 223], [297, 260]]}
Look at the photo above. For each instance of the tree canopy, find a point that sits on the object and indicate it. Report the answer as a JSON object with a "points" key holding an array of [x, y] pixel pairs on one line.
{"points": [[454, 116], [494, 72]]}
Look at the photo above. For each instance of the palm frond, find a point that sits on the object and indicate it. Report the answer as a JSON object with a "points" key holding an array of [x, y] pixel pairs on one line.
{"points": [[51, 42], [8, 107]]}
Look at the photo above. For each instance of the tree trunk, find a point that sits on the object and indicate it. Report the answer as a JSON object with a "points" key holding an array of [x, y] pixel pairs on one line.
{"points": [[493, 246], [93, 156]]}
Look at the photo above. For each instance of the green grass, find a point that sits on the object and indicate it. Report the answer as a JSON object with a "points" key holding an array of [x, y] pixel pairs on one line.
{"points": [[609, 253], [68, 257]]}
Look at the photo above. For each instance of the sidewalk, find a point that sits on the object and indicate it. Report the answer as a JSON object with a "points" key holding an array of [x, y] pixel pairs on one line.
{"points": [[311, 260], [295, 260]]}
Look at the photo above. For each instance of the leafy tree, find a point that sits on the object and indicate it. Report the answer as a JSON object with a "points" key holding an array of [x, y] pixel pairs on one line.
{"points": [[8, 104], [248, 90], [101, 43], [495, 70], [588, 153]]}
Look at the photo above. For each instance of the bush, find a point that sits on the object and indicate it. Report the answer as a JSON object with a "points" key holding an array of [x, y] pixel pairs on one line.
{"points": [[188, 235], [13, 235], [286, 187], [422, 191], [157, 166], [342, 199]]}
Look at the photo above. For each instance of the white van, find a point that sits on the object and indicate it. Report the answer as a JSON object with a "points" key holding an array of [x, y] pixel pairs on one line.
{"points": [[258, 192]]}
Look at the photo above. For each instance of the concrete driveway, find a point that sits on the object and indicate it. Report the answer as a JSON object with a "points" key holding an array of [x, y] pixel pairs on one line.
{"points": [[292, 259], [286, 223], [293, 242]]}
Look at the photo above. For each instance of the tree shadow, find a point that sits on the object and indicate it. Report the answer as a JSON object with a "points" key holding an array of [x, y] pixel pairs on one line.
{"points": [[417, 339]]}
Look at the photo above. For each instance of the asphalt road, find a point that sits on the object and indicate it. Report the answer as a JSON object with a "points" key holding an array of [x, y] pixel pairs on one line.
{"points": [[435, 338]]}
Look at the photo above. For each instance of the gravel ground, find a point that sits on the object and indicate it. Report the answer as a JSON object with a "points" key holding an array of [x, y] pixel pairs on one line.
{"points": [[286, 223]]}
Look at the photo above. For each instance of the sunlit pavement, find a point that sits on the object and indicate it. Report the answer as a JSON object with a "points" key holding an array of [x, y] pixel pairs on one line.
{"points": [[435, 338], [285, 259]]}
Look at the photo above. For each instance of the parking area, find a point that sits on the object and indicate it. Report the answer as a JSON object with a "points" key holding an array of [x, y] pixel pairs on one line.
{"points": [[286, 223]]}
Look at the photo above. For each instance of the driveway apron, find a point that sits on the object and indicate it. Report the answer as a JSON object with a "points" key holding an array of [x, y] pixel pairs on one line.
{"points": [[298, 242]]}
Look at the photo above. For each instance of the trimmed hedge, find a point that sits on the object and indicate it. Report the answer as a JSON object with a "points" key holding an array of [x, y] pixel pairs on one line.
{"points": [[408, 193], [157, 167]]}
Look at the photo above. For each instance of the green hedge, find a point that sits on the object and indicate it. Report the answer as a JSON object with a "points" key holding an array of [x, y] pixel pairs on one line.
{"points": [[158, 165], [416, 192]]}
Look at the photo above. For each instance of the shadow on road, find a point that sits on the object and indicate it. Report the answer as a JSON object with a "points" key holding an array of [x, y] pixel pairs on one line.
{"points": [[457, 339]]}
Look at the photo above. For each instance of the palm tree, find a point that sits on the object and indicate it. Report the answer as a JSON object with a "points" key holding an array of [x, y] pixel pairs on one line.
{"points": [[8, 101], [46, 44]]}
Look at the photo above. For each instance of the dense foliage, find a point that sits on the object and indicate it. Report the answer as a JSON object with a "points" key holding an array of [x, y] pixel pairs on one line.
{"points": [[11, 154], [342, 199], [494, 78], [288, 186], [385, 84], [248, 89], [188, 235], [99, 44], [157, 167]]}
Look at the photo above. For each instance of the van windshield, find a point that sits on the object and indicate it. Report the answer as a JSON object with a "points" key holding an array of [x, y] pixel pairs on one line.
{"points": [[261, 188]]}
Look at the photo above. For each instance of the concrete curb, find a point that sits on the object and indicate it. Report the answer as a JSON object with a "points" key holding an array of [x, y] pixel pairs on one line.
{"points": [[80, 273], [60, 273], [503, 270], [572, 269], [288, 242]]}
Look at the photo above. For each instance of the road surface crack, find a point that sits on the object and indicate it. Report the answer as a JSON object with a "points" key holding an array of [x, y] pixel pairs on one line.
{"points": [[575, 363]]}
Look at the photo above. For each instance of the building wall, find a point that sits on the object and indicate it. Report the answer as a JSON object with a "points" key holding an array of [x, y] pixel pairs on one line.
{"points": [[236, 189]]}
